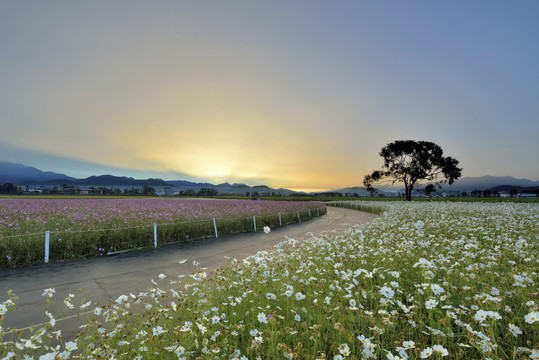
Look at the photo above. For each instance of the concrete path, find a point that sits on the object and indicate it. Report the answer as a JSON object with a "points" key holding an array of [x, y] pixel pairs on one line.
{"points": [[104, 279]]}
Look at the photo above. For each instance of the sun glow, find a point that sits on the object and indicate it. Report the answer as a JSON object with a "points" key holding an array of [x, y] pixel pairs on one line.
{"points": [[217, 171], [308, 190]]}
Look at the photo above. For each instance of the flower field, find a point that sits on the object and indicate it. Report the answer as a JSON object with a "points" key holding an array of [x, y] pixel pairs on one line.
{"points": [[424, 280], [82, 228]]}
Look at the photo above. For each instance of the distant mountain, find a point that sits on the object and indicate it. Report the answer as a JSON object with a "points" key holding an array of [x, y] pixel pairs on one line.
{"points": [[20, 174], [188, 185], [242, 189], [361, 191], [487, 182], [111, 180], [26, 175]]}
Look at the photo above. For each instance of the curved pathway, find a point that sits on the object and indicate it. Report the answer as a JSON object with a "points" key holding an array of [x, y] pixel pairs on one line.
{"points": [[103, 279]]}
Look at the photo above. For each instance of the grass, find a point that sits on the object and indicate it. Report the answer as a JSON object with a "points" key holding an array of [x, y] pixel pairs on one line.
{"points": [[424, 280]]}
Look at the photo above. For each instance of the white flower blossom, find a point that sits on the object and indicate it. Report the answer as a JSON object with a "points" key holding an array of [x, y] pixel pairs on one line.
{"points": [[532, 317]]}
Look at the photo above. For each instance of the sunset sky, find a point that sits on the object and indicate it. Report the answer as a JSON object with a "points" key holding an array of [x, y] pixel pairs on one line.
{"points": [[295, 94]]}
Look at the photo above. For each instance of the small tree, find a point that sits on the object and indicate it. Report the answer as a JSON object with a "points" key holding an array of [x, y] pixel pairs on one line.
{"points": [[410, 161], [429, 189]]}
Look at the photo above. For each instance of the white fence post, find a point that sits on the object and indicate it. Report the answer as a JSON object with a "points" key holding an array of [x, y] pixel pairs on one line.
{"points": [[299, 219], [47, 235], [215, 228], [280, 224], [317, 212], [155, 235], [309, 213], [254, 221]]}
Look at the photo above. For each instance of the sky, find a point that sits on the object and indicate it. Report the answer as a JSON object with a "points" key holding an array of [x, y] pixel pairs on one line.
{"points": [[296, 94]]}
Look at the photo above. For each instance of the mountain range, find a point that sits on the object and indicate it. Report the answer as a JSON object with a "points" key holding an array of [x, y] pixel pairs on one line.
{"points": [[26, 175]]}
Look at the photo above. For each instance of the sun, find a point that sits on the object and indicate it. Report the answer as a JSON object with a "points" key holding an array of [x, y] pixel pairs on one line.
{"points": [[218, 171]]}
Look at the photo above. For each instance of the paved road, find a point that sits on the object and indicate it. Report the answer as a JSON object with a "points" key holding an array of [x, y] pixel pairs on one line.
{"points": [[104, 279]]}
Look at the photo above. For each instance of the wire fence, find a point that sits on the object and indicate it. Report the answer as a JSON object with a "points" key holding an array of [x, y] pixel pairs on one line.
{"points": [[38, 247]]}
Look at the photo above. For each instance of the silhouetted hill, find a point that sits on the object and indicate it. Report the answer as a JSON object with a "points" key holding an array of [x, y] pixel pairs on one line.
{"points": [[22, 175], [487, 182], [188, 185], [111, 180]]}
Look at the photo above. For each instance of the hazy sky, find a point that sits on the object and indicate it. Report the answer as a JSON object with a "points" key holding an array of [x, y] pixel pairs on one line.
{"points": [[296, 94]]}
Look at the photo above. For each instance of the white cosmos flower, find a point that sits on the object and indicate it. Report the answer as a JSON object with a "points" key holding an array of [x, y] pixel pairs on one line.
{"points": [[436, 289], [426, 353], [390, 356], [30, 345], [431, 303], [267, 229], [408, 344], [424, 263], [482, 315], [71, 346], [180, 350], [532, 317], [344, 349], [121, 299], [202, 328], [158, 330], [515, 330], [49, 356], [262, 318], [387, 292], [258, 340], [52, 320], [440, 349], [48, 292]]}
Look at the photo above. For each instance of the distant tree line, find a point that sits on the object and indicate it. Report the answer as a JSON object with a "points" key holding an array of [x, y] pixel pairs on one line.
{"points": [[9, 188]]}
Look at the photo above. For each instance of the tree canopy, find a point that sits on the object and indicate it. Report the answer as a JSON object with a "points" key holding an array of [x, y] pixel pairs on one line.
{"points": [[410, 161]]}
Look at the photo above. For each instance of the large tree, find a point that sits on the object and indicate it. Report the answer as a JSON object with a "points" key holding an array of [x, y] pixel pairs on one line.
{"points": [[411, 161]]}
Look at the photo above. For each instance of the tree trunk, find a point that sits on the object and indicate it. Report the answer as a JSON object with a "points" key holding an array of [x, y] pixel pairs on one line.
{"points": [[408, 190]]}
